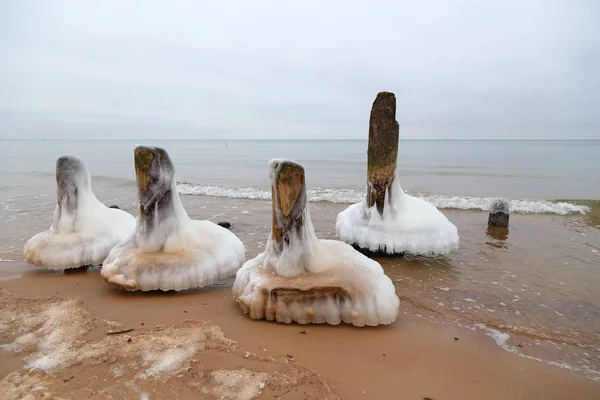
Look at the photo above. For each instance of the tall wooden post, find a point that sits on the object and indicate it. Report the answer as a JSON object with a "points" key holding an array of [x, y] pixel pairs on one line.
{"points": [[383, 150]]}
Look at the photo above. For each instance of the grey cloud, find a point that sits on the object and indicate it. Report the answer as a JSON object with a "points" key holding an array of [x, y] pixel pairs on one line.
{"points": [[265, 69]]}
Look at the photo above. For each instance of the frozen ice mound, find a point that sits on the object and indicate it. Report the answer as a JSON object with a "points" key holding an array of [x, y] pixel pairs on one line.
{"points": [[196, 254], [169, 250], [350, 288], [407, 225], [83, 230], [301, 278]]}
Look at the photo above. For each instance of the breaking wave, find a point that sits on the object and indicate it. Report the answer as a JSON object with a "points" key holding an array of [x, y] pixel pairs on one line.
{"points": [[349, 196]]}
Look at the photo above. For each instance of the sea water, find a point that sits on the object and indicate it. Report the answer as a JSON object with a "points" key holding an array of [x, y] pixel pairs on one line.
{"points": [[450, 174]]}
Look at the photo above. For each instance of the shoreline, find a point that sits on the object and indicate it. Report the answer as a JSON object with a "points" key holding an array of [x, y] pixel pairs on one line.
{"points": [[411, 358]]}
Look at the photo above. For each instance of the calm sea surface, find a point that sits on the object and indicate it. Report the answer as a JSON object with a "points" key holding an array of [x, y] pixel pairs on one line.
{"points": [[514, 169]]}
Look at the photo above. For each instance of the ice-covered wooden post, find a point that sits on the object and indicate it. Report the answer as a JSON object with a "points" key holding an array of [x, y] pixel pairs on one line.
{"points": [[301, 278], [383, 150], [155, 174], [83, 230], [499, 214], [169, 250], [289, 201], [367, 225]]}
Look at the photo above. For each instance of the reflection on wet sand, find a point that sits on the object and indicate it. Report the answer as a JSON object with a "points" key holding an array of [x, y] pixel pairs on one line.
{"points": [[500, 234]]}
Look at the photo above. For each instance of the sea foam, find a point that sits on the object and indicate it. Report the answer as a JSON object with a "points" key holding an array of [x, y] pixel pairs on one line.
{"points": [[355, 195]]}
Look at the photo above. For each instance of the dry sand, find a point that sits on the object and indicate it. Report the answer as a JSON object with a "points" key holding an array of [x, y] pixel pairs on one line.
{"points": [[198, 344]]}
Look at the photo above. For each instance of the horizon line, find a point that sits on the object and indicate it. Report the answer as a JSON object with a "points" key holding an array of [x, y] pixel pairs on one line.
{"points": [[288, 140]]}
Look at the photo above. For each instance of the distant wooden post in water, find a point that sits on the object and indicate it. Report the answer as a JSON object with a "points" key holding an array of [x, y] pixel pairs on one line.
{"points": [[383, 150], [499, 214], [289, 200]]}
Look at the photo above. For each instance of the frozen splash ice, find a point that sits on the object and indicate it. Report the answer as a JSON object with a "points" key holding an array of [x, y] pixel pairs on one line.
{"points": [[304, 279], [169, 250], [83, 230], [407, 224]]}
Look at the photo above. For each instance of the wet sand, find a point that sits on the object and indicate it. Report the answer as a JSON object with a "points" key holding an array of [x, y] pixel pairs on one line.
{"points": [[412, 358]]}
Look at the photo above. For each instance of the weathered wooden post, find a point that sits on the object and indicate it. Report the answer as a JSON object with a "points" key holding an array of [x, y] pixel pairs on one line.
{"points": [[155, 174], [288, 190], [361, 226], [383, 150], [72, 181], [498, 216]]}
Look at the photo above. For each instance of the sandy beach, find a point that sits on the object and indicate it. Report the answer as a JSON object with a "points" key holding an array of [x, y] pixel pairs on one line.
{"points": [[444, 344], [414, 358]]}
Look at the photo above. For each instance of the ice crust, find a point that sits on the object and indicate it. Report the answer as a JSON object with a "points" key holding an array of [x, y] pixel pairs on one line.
{"points": [[83, 230], [173, 252], [408, 224], [311, 280]]}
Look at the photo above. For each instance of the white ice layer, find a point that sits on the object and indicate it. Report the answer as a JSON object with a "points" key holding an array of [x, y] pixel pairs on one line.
{"points": [[83, 236], [315, 281], [179, 253], [408, 224]]}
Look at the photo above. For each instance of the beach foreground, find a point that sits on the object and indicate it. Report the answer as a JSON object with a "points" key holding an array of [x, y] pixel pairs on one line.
{"points": [[511, 317], [98, 342]]}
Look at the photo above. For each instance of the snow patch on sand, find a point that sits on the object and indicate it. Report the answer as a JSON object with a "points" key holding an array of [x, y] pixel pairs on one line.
{"points": [[238, 384], [171, 359], [55, 335]]}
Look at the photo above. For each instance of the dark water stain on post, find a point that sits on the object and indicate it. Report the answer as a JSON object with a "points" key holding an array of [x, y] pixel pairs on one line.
{"points": [[383, 149]]}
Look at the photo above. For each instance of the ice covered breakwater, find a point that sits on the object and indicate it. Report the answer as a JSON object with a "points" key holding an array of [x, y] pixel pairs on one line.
{"points": [[354, 195]]}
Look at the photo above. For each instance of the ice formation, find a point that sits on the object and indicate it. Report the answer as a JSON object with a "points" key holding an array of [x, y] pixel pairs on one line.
{"points": [[407, 225], [169, 250], [389, 220], [83, 230], [300, 278]]}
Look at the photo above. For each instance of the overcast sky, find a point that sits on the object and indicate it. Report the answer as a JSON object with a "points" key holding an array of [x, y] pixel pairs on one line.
{"points": [[304, 69]]}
